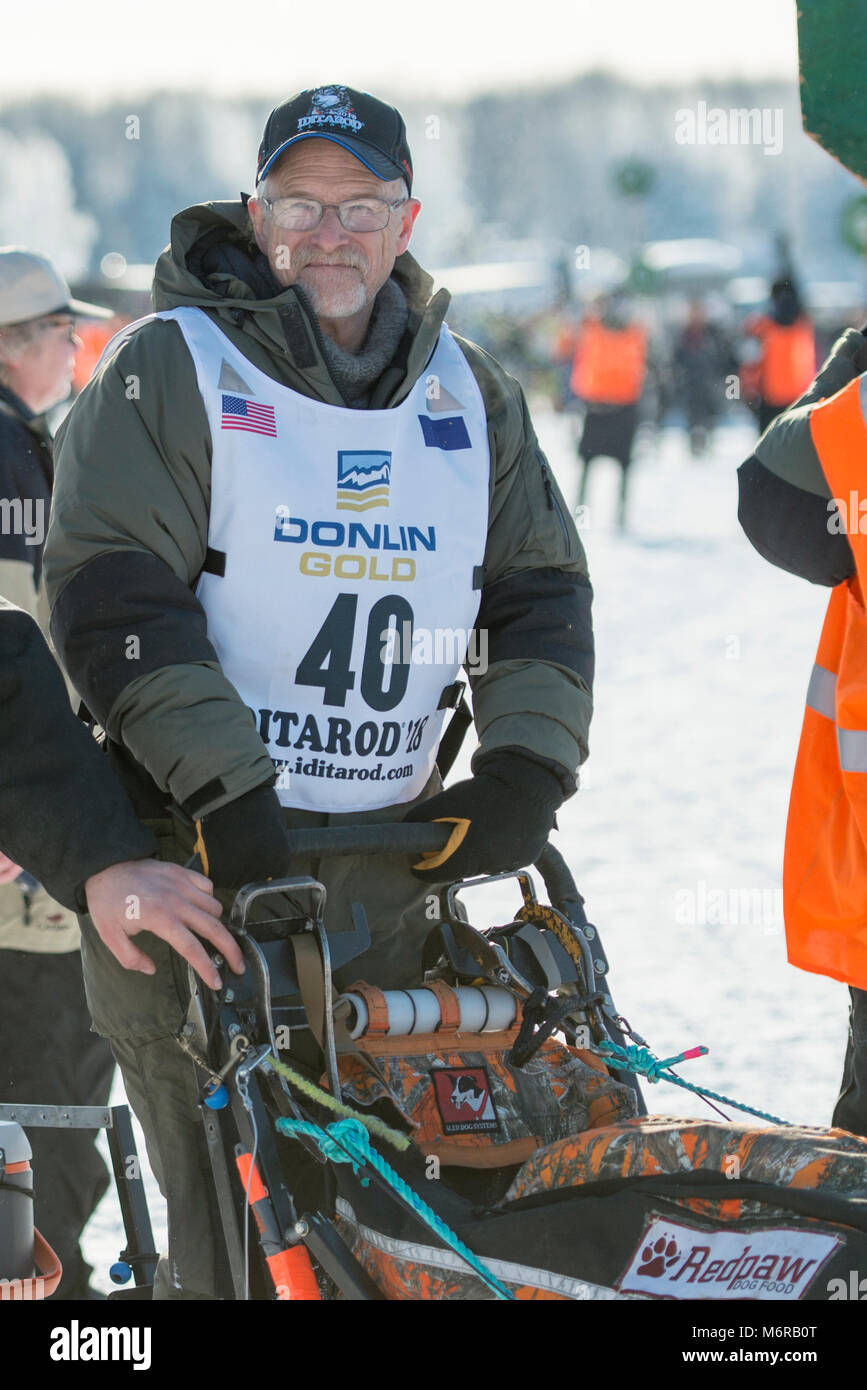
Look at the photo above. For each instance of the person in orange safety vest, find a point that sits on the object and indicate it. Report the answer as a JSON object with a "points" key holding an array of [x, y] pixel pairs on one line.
{"points": [[608, 371], [803, 505], [779, 354]]}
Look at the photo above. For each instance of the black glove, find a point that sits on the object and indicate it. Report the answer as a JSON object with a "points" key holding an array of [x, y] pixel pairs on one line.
{"points": [[245, 841], [504, 815]]}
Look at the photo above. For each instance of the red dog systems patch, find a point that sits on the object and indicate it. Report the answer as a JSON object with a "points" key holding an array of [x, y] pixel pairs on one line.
{"points": [[463, 1096]]}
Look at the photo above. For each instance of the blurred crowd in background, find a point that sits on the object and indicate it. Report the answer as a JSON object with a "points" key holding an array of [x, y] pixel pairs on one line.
{"points": [[671, 337], [716, 275]]}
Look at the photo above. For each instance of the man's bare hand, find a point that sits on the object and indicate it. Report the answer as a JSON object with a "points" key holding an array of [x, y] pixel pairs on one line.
{"points": [[9, 871], [174, 904]]}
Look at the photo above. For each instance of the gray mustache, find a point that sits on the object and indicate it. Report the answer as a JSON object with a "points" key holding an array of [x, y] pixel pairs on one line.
{"points": [[353, 262]]}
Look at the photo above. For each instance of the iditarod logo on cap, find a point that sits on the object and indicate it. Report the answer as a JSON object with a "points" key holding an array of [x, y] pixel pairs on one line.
{"points": [[330, 106], [363, 478]]}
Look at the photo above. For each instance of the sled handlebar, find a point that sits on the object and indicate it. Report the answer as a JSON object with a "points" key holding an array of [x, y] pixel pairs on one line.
{"points": [[415, 839], [412, 840]]}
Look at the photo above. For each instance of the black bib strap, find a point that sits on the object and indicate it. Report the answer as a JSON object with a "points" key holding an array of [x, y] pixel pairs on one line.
{"points": [[451, 695], [215, 562], [450, 743]]}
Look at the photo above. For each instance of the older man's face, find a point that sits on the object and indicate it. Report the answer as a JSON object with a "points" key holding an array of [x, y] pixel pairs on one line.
{"points": [[340, 271], [39, 369]]}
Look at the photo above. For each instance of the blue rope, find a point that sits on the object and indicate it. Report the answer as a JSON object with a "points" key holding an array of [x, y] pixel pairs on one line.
{"points": [[642, 1061], [347, 1141]]}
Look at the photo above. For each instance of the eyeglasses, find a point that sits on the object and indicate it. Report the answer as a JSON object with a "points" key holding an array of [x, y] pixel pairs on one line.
{"points": [[356, 214], [33, 326], [68, 326]]}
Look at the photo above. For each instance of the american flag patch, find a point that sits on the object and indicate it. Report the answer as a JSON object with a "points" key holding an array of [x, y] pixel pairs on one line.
{"points": [[239, 414]]}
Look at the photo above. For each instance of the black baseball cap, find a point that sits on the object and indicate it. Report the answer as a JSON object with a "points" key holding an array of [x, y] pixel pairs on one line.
{"points": [[365, 126]]}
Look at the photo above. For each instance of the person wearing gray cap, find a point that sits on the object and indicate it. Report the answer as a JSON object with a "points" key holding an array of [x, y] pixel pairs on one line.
{"points": [[40, 958], [37, 356], [82, 828], [314, 461]]}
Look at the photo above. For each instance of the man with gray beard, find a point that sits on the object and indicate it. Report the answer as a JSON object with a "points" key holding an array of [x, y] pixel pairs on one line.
{"points": [[294, 458]]}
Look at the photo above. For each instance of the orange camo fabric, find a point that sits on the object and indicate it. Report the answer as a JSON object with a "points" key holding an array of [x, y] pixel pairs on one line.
{"points": [[560, 1091], [786, 1157]]}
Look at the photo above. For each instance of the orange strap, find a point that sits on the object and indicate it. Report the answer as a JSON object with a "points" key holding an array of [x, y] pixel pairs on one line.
{"points": [[44, 1284], [450, 1009], [199, 848], [48, 1264], [377, 1008], [432, 859]]}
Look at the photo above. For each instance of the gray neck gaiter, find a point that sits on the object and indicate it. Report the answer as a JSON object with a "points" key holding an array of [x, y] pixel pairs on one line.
{"points": [[356, 373]]}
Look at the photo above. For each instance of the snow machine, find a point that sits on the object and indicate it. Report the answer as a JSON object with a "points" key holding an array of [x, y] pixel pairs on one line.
{"points": [[482, 1136]]}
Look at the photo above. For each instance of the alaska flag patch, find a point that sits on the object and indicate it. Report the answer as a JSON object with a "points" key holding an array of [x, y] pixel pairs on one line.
{"points": [[448, 432]]}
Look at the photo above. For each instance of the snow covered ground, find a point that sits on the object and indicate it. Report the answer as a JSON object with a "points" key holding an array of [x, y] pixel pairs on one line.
{"points": [[676, 838]]}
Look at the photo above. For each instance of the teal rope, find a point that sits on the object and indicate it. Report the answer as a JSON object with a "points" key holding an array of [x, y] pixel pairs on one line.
{"points": [[347, 1141], [642, 1061]]}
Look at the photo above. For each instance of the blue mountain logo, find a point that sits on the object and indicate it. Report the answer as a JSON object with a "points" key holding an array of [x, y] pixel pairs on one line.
{"points": [[363, 479]]}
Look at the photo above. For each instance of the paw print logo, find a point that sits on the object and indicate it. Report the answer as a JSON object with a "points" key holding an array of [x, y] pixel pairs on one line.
{"points": [[658, 1257]]}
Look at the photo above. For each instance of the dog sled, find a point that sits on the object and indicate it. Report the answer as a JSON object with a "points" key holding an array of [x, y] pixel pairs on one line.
{"points": [[483, 1136]]}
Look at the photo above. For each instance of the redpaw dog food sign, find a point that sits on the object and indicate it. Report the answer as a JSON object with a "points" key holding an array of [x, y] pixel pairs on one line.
{"points": [[676, 1261]]}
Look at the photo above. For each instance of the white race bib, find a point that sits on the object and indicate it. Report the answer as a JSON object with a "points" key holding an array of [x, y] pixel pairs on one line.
{"points": [[351, 544]]}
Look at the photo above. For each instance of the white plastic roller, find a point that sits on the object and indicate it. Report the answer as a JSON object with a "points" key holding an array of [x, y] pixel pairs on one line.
{"points": [[483, 1009]]}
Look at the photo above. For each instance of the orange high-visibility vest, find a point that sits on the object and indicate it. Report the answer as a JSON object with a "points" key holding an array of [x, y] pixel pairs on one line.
{"points": [[94, 337], [788, 362], [825, 864], [609, 363]]}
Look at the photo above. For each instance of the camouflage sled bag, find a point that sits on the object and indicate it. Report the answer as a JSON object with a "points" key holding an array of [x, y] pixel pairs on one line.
{"points": [[469, 1105], [655, 1207]]}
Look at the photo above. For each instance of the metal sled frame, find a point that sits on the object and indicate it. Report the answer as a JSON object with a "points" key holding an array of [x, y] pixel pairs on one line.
{"points": [[231, 1035], [138, 1259], [241, 1097]]}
